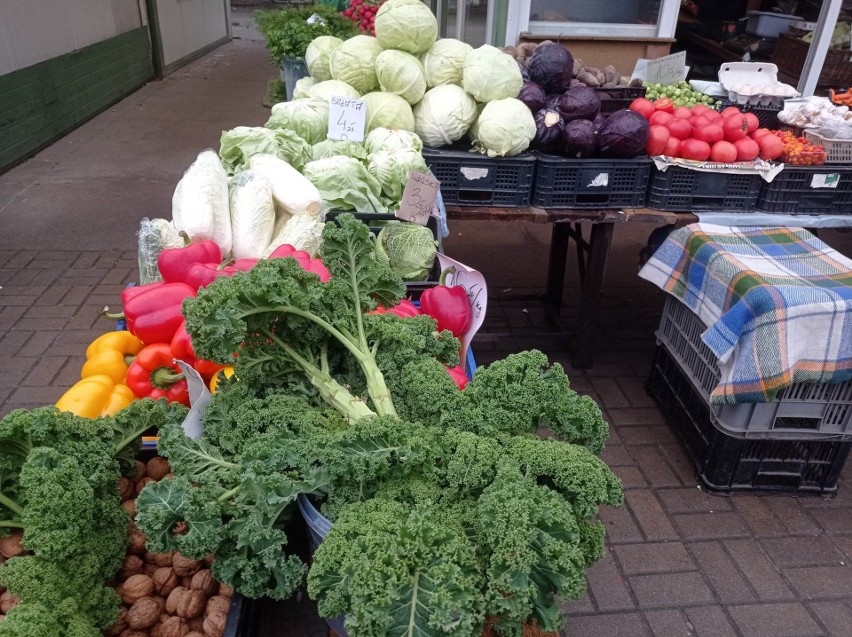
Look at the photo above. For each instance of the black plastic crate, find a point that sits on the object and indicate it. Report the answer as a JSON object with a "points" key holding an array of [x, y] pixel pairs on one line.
{"points": [[590, 183], [809, 190], [766, 115], [683, 190], [615, 99], [727, 464], [472, 179]]}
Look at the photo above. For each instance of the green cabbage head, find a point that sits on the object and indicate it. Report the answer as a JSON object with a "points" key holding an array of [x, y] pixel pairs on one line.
{"points": [[386, 110], [505, 128], [392, 139], [332, 147], [354, 62], [345, 184], [401, 73], [444, 115], [489, 74], [407, 25], [332, 88], [392, 169], [238, 145], [318, 54], [303, 87], [410, 249], [307, 118], [443, 63]]}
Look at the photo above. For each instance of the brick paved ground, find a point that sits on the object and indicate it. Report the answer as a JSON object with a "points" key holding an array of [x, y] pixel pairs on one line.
{"points": [[680, 562]]}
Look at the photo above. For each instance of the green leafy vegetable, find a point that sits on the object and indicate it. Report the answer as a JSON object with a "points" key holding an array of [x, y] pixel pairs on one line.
{"points": [[239, 144], [410, 249], [345, 184]]}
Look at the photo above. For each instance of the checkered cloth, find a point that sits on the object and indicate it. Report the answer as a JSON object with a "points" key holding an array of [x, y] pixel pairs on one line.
{"points": [[777, 301]]}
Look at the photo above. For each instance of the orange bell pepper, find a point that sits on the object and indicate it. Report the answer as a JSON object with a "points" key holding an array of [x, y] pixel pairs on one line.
{"points": [[111, 354], [94, 396]]}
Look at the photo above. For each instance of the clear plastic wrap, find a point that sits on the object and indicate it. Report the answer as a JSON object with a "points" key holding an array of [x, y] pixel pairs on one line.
{"points": [[155, 235]]}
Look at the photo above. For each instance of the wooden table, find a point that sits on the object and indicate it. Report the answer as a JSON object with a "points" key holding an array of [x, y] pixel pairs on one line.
{"points": [[592, 253]]}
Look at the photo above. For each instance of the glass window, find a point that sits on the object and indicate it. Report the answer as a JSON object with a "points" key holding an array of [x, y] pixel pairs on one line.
{"points": [[596, 11]]}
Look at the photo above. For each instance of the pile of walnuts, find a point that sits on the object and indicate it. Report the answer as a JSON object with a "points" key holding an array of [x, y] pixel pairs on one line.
{"points": [[164, 594]]}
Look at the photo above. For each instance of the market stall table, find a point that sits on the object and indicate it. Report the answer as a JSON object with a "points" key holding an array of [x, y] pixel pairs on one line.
{"points": [[592, 254]]}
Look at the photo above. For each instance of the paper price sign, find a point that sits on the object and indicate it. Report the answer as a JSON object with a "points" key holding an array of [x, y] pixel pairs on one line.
{"points": [[346, 119], [667, 70], [477, 294], [418, 198]]}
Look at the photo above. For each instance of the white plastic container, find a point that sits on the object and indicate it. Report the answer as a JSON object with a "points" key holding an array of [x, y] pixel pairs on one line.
{"points": [[764, 24], [754, 83]]}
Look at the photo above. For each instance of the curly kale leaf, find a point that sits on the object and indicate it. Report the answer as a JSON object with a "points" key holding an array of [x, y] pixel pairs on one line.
{"points": [[398, 572], [130, 423], [533, 549]]}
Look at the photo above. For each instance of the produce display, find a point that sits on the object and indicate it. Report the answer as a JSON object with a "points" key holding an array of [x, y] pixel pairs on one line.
{"points": [[680, 93], [798, 151], [345, 394], [363, 14], [820, 115]]}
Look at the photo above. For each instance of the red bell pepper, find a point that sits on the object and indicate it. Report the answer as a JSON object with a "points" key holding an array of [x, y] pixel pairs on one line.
{"points": [[304, 259], [457, 374], [449, 306], [174, 263], [201, 275], [154, 374], [153, 311], [405, 309], [182, 349]]}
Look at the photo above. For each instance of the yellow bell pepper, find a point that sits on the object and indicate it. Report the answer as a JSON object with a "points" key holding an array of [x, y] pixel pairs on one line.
{"points": [[108, 355], [94, 396], [227, 370]]}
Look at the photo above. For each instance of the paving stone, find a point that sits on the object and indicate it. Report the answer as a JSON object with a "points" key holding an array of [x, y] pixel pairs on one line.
{"points": [[44, 371], [680, 463], [648, 513], [620, 525], [38, 343], [632, 416], [607, 625], [758, 570], [607, 587], [845, 545], [654, 466], [726, 579], [630, 477], [616, 455], [670, 589], [835, 616], [36, 395], [611, 394], [657, 557], [44, 323], [820, 582], [53, 295], [647, 435], [579, 606], [758, 516], [12, 341], [692, 500], [802, 551], [634, 388], [77, 295], [709, 526], [668, 623], [51, 311], [710, 621], [10, 315], [775, 620], [795, 518], [834, 521], [24, 300]]}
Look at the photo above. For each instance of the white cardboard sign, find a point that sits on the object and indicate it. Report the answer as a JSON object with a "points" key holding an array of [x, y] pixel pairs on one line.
{"points": [[346, 118], [477, 294], [418, 198], [665, 70], [199, 398]]}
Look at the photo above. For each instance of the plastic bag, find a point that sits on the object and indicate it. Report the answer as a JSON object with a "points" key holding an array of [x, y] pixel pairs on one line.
{"points": [[252, 215], [155, 235], [200, 202]]}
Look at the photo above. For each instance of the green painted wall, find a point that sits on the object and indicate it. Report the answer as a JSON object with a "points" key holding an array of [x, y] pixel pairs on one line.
{"points": [[500, 16], [44, 101]]}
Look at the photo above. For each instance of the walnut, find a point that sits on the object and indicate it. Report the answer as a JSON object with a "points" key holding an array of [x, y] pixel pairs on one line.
{"points": [[225, 590], [214, 624], [165, 580], [7, 602], [157, 468], [217, 604], [135, 588], [186, 581], [144, 613], [169, 476], [134, 633], [196, 624], [150, 569], [137, 540], [190, 604], [141, 484], [195, 633], [172, 599], [130, 507], [173, 627], [184, 566], [208, 561], [133, 564], [203, 581], [125, 488], [160, 559], [13, 545], [141, 470], [120, 624]]}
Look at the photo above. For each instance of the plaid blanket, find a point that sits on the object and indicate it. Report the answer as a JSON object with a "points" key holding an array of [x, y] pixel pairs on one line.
{"points": [[777, 302]]}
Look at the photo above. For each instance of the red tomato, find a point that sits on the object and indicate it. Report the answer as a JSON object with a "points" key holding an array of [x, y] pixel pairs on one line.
{"points": [[658, 137], [760, 132], [713, 116], [679, 128], [771, 147], [752, 121], [664, 104], [695, 149], [735, 127], [698, 121], [700, 109], [642, 106], [731, 110], [660, 117], [672, 147], [747, 149], [711, 133], [723, 152], [681, 112]]}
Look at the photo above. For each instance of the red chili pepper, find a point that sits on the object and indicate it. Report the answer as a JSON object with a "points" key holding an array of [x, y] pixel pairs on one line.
{"points": [[153, 311], [182, 349], [449, 306], [154, 374], [457, 374], [175, 263]]}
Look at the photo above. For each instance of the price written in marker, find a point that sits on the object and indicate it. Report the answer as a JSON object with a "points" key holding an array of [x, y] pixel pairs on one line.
{"points": [[346, 119], [477, 293], [667, 70], [418, 198]]}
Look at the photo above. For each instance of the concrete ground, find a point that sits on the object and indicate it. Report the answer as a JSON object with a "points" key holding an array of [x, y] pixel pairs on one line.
{"points": [[680, 562]]}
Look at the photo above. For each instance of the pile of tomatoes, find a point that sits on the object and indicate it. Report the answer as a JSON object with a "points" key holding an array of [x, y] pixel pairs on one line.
{"points": [[701, 133], [363, 13], [798, 151]]}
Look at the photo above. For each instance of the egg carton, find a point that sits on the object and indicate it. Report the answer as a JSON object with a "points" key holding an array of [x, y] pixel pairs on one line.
{"points": [[754, 83]]}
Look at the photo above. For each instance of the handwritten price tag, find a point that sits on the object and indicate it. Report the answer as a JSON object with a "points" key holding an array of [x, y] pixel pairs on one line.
{"points": [[346, 119], [418, 198], [477, 294], [667, 70]]}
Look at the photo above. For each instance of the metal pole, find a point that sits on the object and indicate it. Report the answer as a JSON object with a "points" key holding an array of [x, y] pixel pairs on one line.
{"points": [[819, 46]]}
